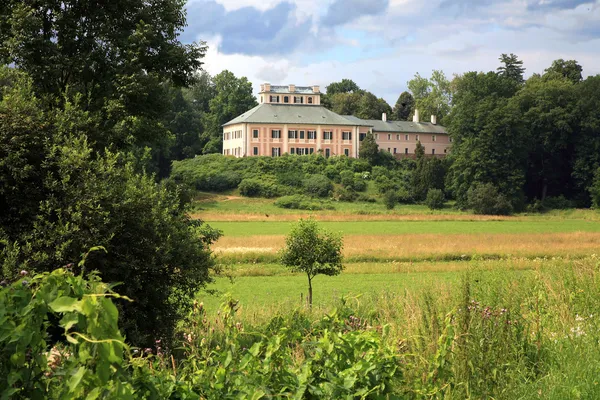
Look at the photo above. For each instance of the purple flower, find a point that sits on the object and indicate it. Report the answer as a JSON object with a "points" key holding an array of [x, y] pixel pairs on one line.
{"points": [[24, 283], [23, 273]]}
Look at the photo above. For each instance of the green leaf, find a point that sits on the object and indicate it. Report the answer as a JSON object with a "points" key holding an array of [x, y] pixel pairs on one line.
{"points": [[76, 378], [258, 394], [65, 304]]}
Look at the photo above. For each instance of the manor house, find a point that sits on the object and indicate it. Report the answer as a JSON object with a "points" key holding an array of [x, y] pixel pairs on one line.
{"points": [[290, 119]]}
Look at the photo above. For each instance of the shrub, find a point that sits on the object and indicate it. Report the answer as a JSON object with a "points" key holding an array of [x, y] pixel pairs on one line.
{"points": [[435, 199], [390, 199], [367, 199], [345, 194], [485, 199], [317, 186], [557, 203], [291, 178], [301, 202], [332, 173], [257, 188], [359, 184], [347, 178]]}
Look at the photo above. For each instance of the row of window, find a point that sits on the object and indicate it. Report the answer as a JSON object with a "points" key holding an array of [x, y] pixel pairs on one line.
{"points": [[310, 135], [406, 151], [301, 151], [233, 135], [406, 137], [286, 99]]}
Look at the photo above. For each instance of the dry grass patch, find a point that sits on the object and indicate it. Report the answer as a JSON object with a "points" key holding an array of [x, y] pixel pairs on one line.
{"points": [[425, 245]]}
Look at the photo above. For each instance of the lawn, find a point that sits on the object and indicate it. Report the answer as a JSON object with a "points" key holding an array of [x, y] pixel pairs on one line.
{"points": [[253, 228]]}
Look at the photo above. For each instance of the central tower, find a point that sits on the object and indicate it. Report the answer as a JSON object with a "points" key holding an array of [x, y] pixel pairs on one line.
{"points": [[290, 95]]}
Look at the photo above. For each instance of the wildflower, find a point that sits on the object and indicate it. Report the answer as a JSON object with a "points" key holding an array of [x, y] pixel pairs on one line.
{"points": [[25, 283], [135, 351], [23, 273], [3, 283], [148, 350]]}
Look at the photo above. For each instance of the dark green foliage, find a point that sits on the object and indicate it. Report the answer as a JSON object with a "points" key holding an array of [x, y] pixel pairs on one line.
{"points": [[233, 97], [595, 189], [344, 86], [404, 108], [432, 96], [347, 178], [429, 173], [84, 199], [369, 150], [435, 199], [486, 199], [511, 68], [258, 188], [301, 202], [569, 69], [557, 203], [390, 199], [345, 194], [291, 178], [317, 186], [312, 251]]}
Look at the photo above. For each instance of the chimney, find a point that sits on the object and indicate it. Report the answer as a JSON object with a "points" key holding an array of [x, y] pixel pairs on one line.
{"points": [[384, 117], [315, 89], [433, 119], [267, 87], [416, 116], [292, 88]]}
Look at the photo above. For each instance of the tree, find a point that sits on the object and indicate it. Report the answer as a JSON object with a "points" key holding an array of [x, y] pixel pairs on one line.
{"points": [[432, 96], [313, 251], [115, 58], [345, 103], [569, 69], [595, 189], [370, 107], [511, 68], [490, 141], [369, 149], [404, 108], [233, 96], [60, 198], [344, 86]]}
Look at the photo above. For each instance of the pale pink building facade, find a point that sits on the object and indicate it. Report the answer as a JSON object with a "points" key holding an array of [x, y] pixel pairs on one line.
{"points": [[291, 120]]}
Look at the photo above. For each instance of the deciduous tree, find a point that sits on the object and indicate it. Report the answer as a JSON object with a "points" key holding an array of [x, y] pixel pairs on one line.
{"points": [[313, 251]]}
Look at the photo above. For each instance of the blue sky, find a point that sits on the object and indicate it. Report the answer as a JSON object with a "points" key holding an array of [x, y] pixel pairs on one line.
{"points": [[381, 44]]}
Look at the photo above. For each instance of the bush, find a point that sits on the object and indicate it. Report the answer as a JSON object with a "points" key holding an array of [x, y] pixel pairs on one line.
{"points": [[291, 179], [435, 199], [557, 203], [345, 194], [317, 186], [485, 199], [257, 188], [301, 202], [390, 199], [595, 190], [359, 184], [367, 199], [347, 178]]}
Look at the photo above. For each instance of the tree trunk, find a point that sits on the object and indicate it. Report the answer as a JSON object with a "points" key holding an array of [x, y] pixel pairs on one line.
{"points": [[309, 291]]}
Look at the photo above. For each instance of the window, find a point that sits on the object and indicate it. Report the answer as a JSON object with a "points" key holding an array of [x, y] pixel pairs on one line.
{"points": [[274, 99], [389, 150], [405, 151], [292, 135], [298, 99], [276, 134], [347, 152], [327, 135], [309, 100], [377, 136], [450, 140], [255, 151], [301, 134], [292, 150], [395, 150], [346, 135], [406, 137], [362, 136], [445, 151], [312, 151], [397, 137], [286, 99], [276, 152], [327, 153], [261, 99], [312, 135], [432, 151], [433, 138], [306, 151], [255, 133], [389, 137], [417, 138]]}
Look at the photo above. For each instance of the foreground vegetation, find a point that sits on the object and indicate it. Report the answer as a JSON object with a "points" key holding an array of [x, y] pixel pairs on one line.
{"points": [[483, 334]]}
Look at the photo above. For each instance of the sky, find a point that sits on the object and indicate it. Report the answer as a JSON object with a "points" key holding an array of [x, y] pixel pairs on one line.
{"points": [[381, 44]]}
